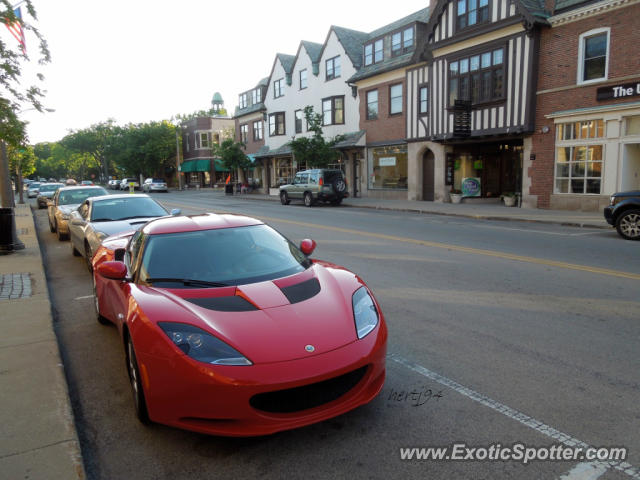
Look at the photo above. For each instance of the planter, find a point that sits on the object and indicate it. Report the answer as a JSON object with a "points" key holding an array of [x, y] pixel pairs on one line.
{"points": [[455, 197], [509, 201]]}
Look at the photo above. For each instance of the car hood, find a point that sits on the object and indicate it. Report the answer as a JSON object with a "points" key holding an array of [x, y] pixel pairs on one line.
{"points": [[632, 193], [117, 226], [68, 208], [277, 319]]}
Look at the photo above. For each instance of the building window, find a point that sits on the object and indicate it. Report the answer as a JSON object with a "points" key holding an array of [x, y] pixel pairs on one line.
{"points": [[372, 105], [256, 96], [298, 119], [333, 111], [388, 167], [242, 102], [579, 157], [257, 130], [471, 12], [303, 79], [244, 133], [276, 124], [423, 100], [278, 88], [402, 42], [333, 68], [202, 140], [479, 78], [395, 99], [593, 55], [373, 52]]}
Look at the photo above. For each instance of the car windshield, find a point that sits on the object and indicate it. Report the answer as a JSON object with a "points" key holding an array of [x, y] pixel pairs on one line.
{"points": [[113, 209], [225, 256], [50, 188], [33, 185], [157, 180], [71, 197]]}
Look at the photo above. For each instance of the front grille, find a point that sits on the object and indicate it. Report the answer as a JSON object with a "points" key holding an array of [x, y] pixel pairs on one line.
{"points": [[307, 396]]}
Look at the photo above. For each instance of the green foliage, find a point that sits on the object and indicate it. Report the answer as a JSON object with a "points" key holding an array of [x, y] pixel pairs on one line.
{"points": [[181, 118], [22, 160], [95, 141], [15, 96], [315, 151], [232, 155]]}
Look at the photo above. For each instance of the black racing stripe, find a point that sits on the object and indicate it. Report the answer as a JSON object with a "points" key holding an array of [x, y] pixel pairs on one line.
{"points": [[224, 304], [302, 291]]}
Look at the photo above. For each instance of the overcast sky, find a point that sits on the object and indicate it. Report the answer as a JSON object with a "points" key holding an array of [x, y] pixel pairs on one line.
{"points": [[143, 60]]}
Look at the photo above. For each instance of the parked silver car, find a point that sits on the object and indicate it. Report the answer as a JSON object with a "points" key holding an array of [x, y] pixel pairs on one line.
{"points": [[126, 183], [32, 191], [98, 217], [64, 201], [154, 185], [45, 193]]}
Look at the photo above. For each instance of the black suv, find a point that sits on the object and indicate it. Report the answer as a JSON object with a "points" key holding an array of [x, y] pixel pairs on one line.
{"points": [[311, 186], [624, 213]]}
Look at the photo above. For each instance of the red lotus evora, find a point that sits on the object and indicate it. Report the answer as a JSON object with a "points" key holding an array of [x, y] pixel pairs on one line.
{"points": [[230, 329]]}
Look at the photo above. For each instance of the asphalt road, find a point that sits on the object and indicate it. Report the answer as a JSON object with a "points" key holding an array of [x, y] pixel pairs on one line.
{"points": [[500, 333]]}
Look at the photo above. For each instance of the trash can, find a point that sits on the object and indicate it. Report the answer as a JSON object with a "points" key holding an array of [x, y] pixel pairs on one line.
{"points": [[8, 237], [228, 189]]}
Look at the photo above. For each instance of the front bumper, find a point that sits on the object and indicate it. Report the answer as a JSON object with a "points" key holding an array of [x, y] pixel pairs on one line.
{"points": [[608, 215], [160, 188], [187, 394]]}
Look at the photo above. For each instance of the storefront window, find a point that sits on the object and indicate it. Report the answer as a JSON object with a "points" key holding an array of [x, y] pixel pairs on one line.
{"points": [[388, 167], [633, 125], [578, 159], [285, 171]]}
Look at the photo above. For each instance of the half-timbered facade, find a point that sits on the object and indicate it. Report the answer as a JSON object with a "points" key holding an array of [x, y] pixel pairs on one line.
{"points": [[471, 99]]}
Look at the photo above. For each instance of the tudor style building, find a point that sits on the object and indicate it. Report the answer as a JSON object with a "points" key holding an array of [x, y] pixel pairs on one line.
{"points": [[471, 98], [587, 138]]}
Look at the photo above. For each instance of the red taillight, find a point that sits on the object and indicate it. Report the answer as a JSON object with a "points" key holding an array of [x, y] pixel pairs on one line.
{"points": [[321, 182]]}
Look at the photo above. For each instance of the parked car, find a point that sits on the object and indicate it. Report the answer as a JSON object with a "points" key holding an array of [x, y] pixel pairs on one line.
{"points": [[311, 186], [64, 201], [114, 184], [154, 185], [45, 193], [32, 191], [98, 217], [126, 183], [623, 212], [86, 182], [231, 329]]}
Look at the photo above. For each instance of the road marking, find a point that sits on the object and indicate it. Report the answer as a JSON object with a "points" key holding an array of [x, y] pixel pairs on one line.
{"points": [[83, 298], [458, 248], [513, 414], [586, 471]]}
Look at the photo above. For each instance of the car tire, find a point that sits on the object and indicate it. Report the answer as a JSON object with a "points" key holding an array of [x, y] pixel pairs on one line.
{"points": [[88, 255], [136, 383], [284, 198], [308, 199], [96, 305], [339, 185], [61, 237], [74, 250], [628, 225]]}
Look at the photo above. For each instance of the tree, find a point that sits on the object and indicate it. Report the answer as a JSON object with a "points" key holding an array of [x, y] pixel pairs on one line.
{"points": [[232, 155], [95, 140], [22, 162], [315, 151]]}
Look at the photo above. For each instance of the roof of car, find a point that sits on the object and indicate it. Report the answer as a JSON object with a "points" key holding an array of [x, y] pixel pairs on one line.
{"points": [[81, 187], [120, 195], [191, 223]]}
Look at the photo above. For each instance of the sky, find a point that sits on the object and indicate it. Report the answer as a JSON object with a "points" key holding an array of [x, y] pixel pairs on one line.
{"points": [[142, 60]]}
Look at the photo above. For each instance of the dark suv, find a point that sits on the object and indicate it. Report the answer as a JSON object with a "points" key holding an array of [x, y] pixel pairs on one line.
{"points": [[311, 186], [624, 213]]}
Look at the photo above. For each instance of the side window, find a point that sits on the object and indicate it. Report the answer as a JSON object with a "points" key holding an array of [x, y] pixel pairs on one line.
{"points": [[313, 179], [84, 210], [134, 250], [298, 180]]}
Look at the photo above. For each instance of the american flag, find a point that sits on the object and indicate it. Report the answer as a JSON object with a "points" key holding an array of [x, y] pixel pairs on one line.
{"points": [[16, 28]]}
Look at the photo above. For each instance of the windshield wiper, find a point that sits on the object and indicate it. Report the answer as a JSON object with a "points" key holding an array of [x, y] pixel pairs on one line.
{"points": [[102, 220], [188, 282], [136, 216]]}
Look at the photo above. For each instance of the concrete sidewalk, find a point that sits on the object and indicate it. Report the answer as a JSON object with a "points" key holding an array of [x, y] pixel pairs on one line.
{"points": [[469, 208], [39, 439]]}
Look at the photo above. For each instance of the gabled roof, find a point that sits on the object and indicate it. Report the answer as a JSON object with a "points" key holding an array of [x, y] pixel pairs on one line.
{"points": [[419, 16], [313, 49], [351, 41], [286, 61], [256, 107]]}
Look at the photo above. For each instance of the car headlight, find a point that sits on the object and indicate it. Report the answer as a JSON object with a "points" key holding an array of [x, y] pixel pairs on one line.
{"points": [[202, 346], [612, 200], [364, 312]]}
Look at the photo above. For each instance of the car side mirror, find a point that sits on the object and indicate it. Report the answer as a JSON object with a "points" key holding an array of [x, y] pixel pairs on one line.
{"points": [[175, 212], [307, 246], [113, 270]]}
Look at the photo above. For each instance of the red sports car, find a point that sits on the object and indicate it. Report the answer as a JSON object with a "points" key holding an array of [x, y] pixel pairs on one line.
{"points": [[230, 329]]}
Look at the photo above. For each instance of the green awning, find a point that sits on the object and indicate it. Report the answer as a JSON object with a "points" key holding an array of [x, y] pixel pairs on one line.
{"points": [[220, 166], [201, 165]]}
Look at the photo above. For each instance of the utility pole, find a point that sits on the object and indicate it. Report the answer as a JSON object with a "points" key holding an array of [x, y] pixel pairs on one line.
{"points": [[178, 173]]}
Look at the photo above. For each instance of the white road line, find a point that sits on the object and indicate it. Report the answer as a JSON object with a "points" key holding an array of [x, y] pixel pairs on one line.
{"points": [[520, 417], [586, 471], [83, 298]]}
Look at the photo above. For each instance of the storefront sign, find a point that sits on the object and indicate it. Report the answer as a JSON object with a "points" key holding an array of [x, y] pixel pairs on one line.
{"points": [[471, 187], [618, 91], [387, 161]]}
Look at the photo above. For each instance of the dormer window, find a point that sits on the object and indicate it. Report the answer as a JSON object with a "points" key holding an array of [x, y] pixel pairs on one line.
{"points": [[402, 42], [242, 102], [256, 96], [471, 12], [373, 52]]}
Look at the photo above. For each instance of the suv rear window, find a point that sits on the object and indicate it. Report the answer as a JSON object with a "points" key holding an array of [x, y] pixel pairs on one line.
{"points": [[331, 175]]}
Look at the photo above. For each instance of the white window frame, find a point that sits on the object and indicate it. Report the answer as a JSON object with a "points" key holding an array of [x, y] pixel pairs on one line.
{"points": [[199, 144], [581, 52], [243, 101], [300, 78], [278, 88]]}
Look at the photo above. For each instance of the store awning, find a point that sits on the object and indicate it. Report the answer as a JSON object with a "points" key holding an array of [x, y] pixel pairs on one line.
{"points": [[219, 164], [201, 165], [251, 157]]}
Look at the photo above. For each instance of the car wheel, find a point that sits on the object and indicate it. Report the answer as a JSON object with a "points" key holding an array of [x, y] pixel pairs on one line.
{"points": [[284, 198], [61, 236], [136, 383], [308, 199], [339, 185], [88, 255], [96, 304], [628, 225], [74, 250]]}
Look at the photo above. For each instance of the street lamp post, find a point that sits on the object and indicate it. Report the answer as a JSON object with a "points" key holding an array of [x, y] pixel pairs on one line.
{"points": [[9, 240], [178, 173]]}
